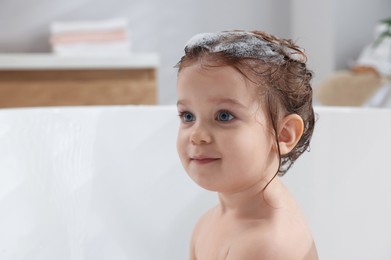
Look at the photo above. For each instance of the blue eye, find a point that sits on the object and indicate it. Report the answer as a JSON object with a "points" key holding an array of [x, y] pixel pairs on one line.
{"points": [[187, 117], [224, 116]]}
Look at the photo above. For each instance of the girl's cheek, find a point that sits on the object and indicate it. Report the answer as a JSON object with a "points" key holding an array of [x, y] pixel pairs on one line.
{"points": [[181, 141]]}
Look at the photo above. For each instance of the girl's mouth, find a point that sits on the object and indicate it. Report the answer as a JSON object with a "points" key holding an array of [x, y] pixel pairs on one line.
{"points": [[204, 160]]}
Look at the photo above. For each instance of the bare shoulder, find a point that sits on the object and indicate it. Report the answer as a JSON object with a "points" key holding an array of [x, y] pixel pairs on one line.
{"points": [[267, 244], [203, 221]]}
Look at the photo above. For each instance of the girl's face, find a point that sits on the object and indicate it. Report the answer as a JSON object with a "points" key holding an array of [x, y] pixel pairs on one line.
{"points": [[223, 140]]}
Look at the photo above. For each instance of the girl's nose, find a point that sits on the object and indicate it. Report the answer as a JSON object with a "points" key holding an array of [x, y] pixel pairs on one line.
{"points": [[200, 135]]}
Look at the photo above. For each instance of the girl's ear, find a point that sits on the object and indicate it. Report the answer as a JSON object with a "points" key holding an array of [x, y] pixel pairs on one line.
{"points": [[290, 131]]}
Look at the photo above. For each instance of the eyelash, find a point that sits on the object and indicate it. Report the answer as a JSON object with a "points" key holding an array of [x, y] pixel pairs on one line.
{"points": [[232, 117]]}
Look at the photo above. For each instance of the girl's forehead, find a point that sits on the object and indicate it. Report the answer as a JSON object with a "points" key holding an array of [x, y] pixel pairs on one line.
{"points": [[223, 73], [208, 72], [215, 83]]}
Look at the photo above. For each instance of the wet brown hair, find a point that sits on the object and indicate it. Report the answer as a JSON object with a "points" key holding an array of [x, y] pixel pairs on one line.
{"points": [[277, 66]]}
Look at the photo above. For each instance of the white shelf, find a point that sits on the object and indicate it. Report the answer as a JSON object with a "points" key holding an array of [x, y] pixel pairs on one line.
{"points": [[48, 61]]}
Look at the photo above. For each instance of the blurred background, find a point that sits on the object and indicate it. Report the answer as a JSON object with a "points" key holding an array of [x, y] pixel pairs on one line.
{"points": [[334, 34]]}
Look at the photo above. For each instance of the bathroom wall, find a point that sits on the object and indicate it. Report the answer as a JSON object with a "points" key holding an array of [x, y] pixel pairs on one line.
{"points": [[335, 32], [155, 26], [332, 32]]}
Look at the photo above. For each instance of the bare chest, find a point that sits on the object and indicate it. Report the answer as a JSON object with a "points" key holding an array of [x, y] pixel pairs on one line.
{"points": [[215, 239], [213, 244]]}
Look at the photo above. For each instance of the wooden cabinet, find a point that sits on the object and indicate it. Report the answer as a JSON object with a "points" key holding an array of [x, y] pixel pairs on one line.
{"points": [[47, 80]]}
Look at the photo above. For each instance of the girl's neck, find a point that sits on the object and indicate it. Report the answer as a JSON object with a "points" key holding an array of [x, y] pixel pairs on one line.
{"points": [[254, 202]]}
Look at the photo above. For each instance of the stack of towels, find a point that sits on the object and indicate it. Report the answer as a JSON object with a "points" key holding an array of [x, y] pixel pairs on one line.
{"points": [[90, 38]]}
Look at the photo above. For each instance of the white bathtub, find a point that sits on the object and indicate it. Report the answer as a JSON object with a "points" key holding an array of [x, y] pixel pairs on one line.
{"points": [[105, 183]]}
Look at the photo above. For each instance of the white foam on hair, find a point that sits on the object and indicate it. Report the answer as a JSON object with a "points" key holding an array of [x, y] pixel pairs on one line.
{"points": [[248, 45], [201, 39], [294, 55]]}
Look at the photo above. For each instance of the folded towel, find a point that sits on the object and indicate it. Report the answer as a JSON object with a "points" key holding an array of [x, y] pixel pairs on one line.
{"points": [[90, 38], [82, 26]]}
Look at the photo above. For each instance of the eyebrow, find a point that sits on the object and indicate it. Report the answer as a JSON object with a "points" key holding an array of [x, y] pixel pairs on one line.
{"points": [[228, 101], [181, 102]]}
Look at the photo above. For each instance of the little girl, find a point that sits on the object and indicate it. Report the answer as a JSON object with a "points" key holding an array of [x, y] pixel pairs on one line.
{"points": [[245, 105]]}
